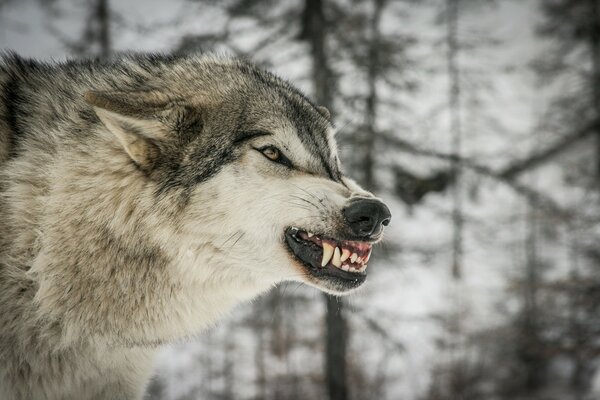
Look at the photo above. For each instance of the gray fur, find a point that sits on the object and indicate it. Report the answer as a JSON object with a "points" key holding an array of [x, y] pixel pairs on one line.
{"points": [[122, 191]]}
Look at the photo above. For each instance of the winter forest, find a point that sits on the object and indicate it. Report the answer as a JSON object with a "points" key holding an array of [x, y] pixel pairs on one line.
{"points": [[478, 122]]}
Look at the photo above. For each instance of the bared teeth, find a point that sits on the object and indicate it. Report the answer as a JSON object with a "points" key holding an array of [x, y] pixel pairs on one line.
{"points": [[336, 257], [345, 254], [327, 253], [368, 256], [353, 258]]}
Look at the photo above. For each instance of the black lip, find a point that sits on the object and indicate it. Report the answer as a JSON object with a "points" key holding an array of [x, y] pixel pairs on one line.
{"points": [[309, 254]]}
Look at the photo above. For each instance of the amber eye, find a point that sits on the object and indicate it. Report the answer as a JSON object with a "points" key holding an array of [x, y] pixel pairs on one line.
{"points": [[275, 155], [272, 153]]}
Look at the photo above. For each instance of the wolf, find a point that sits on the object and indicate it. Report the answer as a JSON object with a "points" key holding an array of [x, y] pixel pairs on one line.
{"points": [[143, 197]]}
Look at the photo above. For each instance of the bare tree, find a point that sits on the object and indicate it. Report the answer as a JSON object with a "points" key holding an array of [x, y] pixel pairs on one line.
{"points": [[454, 103], [102, 21], [314, 24], [594, 40], [96, 38], [574, 26], [372, 101]]}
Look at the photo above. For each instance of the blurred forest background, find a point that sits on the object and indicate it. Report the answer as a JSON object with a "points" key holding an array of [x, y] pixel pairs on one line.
{"points": [[477, 121]]}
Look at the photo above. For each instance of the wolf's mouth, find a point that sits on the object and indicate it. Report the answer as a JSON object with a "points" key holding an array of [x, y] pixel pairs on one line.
{"points": [[343, 261]]}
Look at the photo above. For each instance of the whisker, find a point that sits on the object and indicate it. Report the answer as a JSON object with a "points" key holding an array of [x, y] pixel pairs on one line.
{"points": [[229, 238], [301, 206], [308, 193], [309, 217], [237, 240], [305, 200], [222, 249]]}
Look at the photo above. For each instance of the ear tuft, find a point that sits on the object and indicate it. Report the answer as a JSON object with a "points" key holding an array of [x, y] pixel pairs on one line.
{"points": [[134, 104], [324, 111], [133, 119], [92, 98]]}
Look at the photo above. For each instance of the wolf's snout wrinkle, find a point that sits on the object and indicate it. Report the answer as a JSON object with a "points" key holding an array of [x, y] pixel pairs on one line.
{"points": [[366, 217]]}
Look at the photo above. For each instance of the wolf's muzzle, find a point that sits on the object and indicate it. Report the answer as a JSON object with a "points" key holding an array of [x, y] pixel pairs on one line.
{"points": [[367, 217]]}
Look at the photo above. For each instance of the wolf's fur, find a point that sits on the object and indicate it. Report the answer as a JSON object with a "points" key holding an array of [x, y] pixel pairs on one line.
{"points": [[142, 215]]}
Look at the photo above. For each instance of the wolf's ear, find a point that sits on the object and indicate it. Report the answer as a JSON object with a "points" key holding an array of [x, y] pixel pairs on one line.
{"points": [[325, 111], [135, 119]]}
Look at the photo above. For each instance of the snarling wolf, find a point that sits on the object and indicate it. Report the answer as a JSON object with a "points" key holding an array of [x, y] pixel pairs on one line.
{"points": [[143, 197]]}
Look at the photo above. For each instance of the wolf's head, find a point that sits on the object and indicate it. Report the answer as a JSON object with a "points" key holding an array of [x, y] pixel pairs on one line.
{"points": [[246, 172]]}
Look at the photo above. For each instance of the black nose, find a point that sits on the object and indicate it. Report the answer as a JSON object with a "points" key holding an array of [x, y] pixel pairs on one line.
{"points": [[367, 217]]}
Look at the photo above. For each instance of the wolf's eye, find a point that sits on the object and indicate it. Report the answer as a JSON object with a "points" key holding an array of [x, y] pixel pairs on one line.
{"points": [[271, 153], [275, 155]]}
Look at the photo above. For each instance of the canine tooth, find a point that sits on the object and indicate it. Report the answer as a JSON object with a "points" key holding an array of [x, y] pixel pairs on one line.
{"points": [[327, 253], [345, 254], [336, 257], [359, 260], [310, 234], [368, 256], [345, 267], [353, 257]]}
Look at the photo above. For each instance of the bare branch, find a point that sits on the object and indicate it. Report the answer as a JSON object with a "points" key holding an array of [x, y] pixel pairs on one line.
{"points": [[533, 195], [381, 331], [518, 167]]}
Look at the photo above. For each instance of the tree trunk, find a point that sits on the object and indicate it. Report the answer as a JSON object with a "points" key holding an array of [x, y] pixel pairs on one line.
{"points": [[583, 341], [594, 16], [529, 346], [228, 392], [336, 343], [103, 28], [372, 98], [313, 30], [455, 133], [260, 327], [457, 374]]}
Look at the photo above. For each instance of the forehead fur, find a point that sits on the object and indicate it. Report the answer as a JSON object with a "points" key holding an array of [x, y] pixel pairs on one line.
{"points": [[223, 97], [239, 97]]}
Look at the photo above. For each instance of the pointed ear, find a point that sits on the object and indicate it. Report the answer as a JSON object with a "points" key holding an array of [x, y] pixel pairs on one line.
{"points": [[324, 111], [134, 118]]}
